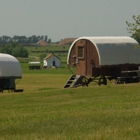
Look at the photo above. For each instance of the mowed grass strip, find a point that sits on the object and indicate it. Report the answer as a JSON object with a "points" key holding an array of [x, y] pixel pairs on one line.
{"points": [[46, 111], [36, 82]]}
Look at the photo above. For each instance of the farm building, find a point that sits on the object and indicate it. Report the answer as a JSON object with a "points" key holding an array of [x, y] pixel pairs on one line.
{"points": [[104, 56], [42, 43], [51, 61], [66, 41], [10, 70]]}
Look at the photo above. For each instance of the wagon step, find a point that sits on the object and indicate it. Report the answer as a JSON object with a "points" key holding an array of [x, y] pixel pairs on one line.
{"points": [[73, 81]]}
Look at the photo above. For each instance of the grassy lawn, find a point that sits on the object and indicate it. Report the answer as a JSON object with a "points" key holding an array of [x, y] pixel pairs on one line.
{"points": [[57, 50], [45, 111], [49, 48]]}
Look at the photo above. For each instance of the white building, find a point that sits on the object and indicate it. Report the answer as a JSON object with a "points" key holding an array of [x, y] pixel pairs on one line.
{"points": [[51, 61]]}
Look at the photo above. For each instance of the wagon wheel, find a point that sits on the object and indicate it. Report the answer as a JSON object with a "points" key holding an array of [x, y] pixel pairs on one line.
{"points": [[102, 80], [116, 81], [84, 81]]}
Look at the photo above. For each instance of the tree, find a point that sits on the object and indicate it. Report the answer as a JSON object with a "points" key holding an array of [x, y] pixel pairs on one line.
{"points": [[42, 56], [49, 40], [134, 28], [19, 52], [46, 38], [14, 49], [23, 39]]}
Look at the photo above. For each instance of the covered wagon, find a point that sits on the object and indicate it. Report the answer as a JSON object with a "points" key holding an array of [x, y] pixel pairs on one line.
{"points": [[34, 65], [10, 70], [105, 57]]}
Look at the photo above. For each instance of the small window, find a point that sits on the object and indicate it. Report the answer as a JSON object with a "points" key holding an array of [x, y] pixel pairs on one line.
{"points": [[80, 51]]}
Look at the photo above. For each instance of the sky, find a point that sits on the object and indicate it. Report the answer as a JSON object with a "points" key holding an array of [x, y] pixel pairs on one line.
{"points": [[59, 19]]}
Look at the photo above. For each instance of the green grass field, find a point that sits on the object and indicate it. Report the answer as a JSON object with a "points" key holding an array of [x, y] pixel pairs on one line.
{"points": [[45, 111]]}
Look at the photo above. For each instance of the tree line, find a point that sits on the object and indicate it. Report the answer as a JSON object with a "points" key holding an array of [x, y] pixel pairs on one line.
{"points": [[14, 45], [14, 49], [23, 39]]}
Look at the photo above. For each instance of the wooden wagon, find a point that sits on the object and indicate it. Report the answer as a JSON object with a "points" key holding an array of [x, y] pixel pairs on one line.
{"points": [[102, 58]]}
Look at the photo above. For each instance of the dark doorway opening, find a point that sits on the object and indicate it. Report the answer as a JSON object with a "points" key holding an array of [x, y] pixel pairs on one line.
{"points": [[53, 63]]}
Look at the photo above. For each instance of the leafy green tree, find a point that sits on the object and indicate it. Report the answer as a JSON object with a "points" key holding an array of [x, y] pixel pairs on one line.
{"points": [[6, 49], [134, 28], [19, 52], [42, 56], [14, 49], [46, 38], [49, 40]]}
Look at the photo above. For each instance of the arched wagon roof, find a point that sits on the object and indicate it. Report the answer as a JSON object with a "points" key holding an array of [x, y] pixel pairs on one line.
{"points": [[9, 66], [113, 50]]}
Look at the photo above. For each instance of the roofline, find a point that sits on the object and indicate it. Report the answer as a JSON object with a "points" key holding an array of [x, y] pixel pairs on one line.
{"points": [[76, 41], [51, 55]]}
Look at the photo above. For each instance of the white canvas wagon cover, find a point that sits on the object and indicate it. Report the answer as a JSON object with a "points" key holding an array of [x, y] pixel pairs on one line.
{"points": [[113, 50], [9, 66]]}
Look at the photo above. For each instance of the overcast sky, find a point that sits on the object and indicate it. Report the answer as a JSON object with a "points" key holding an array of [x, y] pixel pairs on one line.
{"points": [[61, 19]]}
